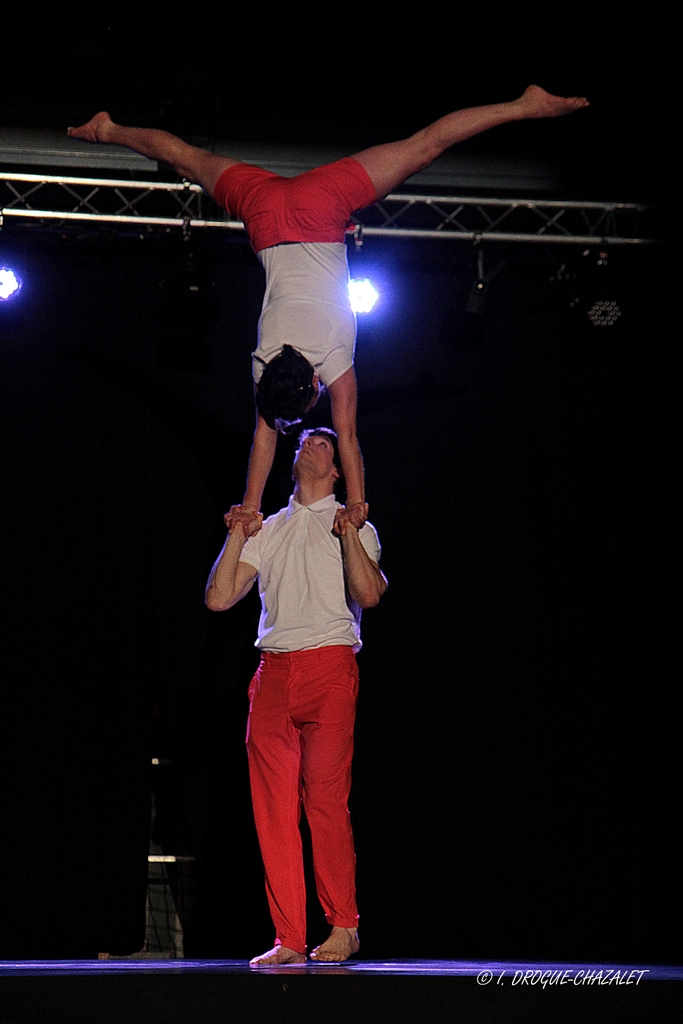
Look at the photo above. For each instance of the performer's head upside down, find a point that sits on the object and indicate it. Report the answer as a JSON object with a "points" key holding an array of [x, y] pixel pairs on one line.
{"points": [[289, 388]]}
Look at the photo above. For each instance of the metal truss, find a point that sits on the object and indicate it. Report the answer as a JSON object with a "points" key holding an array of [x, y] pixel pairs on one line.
{"points": [[146, 205], [506, 220], [77, 201]]}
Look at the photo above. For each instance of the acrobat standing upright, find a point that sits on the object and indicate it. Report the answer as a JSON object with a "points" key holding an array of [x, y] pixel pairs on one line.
{"points": [[296, 226], [303, 697]]}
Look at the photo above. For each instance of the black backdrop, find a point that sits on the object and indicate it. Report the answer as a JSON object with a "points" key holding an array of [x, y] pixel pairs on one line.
{"points": [[514, 783], [513, 778]]}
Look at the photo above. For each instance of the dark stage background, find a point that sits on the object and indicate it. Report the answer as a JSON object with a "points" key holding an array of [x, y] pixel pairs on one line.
{"points": [[514, 775]]}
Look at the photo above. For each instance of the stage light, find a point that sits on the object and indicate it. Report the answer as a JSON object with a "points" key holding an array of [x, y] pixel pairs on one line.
{"points": [[10, 283], [604, 313], [594, 294], [363, 295]]}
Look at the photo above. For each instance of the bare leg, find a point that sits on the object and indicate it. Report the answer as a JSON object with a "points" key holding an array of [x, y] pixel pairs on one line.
{"points": [[342, 943], [189, 161], [278, 955], [392, 163]]}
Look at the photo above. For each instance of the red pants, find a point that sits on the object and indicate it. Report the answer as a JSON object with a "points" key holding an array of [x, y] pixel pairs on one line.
{"points": [[300, 745], [312, 207]]}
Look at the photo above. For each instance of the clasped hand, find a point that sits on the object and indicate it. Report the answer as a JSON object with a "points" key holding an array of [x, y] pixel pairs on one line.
{"points": [[248, 519], [352, 515]]}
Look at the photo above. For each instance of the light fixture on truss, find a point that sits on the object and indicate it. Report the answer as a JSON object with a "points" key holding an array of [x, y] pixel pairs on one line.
{"points": [[363, 295], [10, 283]]}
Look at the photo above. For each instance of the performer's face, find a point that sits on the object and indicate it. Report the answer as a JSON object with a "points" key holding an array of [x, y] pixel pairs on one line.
{"points": [[315, 455]]}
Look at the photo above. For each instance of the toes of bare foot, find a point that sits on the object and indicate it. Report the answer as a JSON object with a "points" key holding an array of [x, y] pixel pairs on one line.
{"points": [[278, 955], [94, 130]]}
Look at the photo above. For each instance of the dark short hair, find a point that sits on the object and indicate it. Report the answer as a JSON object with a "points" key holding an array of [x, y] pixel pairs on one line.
{"points": [[285, 390], [340, 483]]}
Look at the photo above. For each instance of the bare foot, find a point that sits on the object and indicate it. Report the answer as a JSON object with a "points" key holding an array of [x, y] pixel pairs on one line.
{"points": [[536, 102], [278, 955], [342, 943], [96, 130]]}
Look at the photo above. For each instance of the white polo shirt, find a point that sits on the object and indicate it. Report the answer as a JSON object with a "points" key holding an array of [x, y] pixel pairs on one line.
{"points": [[301, 579], [306, 305]]}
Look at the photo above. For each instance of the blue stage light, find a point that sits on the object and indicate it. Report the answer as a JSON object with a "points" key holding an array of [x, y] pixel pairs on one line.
{"points": [[363, 295], [10, 283]]}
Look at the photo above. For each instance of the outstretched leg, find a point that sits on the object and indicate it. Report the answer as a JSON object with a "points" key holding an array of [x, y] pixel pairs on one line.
{"points": [[392, 163], [189, 161]]}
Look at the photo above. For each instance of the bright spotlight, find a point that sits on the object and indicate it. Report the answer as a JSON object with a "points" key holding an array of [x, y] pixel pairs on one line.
{"points": [[9, 283], [363, 295]]}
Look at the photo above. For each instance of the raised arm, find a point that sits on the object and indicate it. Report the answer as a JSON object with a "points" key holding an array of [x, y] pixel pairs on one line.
{"points": [[230, 580], [364, 579], [344, 402], [260, 463]]}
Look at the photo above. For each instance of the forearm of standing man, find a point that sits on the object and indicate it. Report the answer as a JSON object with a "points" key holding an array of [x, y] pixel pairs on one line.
{"points": [[364, 579], [230, 580]]}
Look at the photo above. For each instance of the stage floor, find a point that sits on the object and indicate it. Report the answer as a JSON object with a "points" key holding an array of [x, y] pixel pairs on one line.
{"points": [[487, 972], [365, 991]]}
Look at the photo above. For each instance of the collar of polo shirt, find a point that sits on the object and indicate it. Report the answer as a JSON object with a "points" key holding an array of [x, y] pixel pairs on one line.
{"points": [[323, 505]]}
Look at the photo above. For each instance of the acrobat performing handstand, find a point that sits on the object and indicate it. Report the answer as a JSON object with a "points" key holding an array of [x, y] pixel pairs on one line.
{"points": [[307, 330]]}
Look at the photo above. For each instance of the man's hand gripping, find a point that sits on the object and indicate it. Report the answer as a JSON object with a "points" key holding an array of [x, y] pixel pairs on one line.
{"points": [[248, 519], [354, 515]]}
